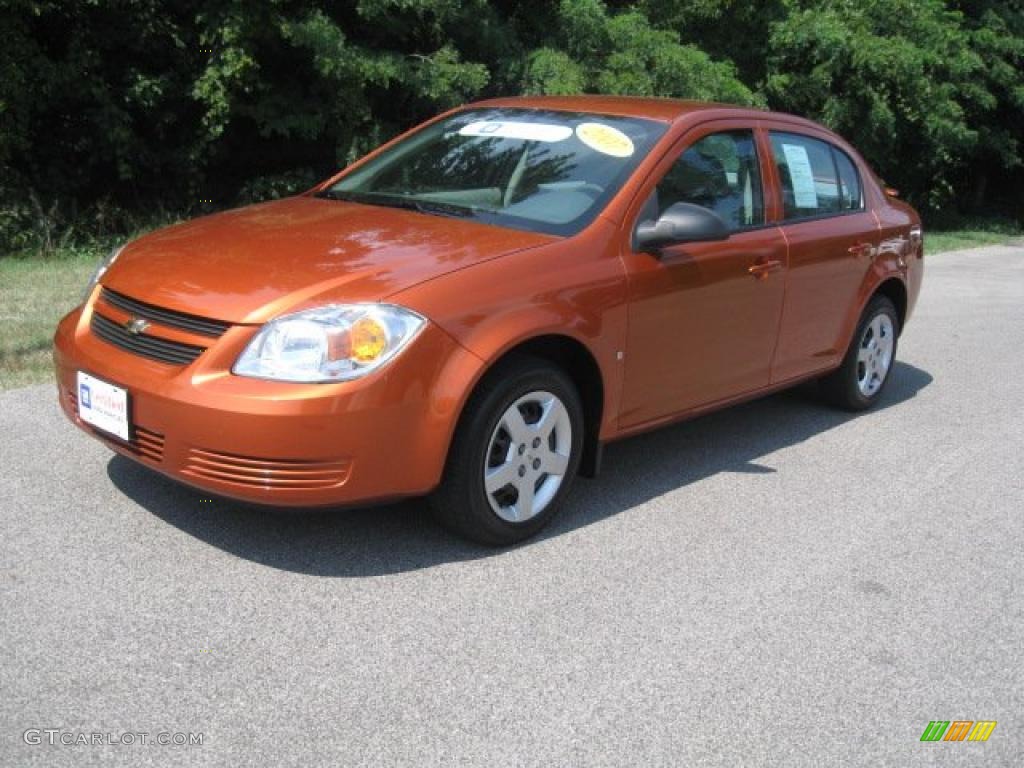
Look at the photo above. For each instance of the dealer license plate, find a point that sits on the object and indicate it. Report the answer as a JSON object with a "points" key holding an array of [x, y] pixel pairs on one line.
{"points": [[103, 405]]}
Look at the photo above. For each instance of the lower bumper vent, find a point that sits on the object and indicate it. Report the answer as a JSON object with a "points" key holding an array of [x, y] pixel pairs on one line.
{"points": [[266, 473]]}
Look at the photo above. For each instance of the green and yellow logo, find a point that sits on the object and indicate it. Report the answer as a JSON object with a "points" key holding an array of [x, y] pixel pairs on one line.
{"points": [[958, 730]]}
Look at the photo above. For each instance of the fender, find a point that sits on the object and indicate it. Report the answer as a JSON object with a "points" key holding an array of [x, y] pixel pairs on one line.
{"points": [[889, 263], [468, 306]]}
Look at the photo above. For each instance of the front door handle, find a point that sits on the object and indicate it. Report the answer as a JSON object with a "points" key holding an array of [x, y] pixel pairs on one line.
{"points": [[761, 269], [859, 249]]}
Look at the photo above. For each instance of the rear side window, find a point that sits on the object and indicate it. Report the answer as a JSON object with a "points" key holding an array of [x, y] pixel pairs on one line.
{"points": [[817, 179], [719, 172]]}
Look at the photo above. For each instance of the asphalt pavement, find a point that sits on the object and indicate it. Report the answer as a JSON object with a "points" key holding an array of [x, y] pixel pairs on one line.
{"points": [[775, 584]]}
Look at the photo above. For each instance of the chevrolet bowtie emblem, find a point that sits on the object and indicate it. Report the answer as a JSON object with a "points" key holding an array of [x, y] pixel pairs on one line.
{"points": [[136, 325]]}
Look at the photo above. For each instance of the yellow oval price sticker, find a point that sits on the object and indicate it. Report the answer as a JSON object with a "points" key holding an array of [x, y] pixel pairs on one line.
{"points": [[604, 138]]}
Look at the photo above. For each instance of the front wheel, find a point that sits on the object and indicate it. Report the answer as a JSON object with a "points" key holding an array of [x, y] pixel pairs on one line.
{"points": [[859, 381], [514, 455]]}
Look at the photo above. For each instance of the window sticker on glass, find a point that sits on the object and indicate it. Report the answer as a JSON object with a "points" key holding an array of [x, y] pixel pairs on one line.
{"points": [[605, 139], [804, 193], [506, 129]]}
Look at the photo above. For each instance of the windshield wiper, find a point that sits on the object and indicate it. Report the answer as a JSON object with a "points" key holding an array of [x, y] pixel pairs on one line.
{"points": [[427, 206], [433, 207]]}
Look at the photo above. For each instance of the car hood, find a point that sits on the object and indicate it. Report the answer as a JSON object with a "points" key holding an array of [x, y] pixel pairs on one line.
{"points": [[251, 264]]}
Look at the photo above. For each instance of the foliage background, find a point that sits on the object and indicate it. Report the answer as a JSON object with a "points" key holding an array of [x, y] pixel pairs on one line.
{"points": [[116, 112]]}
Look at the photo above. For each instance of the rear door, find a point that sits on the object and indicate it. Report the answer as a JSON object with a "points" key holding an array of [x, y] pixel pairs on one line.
{"points": [[833, 238], [703, 317]]}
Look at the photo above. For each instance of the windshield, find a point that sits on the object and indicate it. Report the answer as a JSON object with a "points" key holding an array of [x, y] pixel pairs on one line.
{"points": [[532, 169]]}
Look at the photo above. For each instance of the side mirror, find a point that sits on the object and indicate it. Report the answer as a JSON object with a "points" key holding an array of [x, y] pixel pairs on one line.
{"points": [[680, 223]]}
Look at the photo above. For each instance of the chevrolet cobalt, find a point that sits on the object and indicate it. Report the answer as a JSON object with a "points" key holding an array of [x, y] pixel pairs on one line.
{"points": [[474, 309]]}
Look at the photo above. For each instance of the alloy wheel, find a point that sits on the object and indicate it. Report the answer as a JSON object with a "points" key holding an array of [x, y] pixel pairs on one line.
{"points": [[528, 456], [874, 357]]}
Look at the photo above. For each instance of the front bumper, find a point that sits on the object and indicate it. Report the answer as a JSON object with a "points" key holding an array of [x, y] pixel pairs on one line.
{"points": [[278, 443]]}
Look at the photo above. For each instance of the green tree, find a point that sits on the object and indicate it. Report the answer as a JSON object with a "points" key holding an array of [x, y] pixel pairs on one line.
{"points": [[109, 105], [902, 79], [624, 53], [728, 30], [993, 173]]}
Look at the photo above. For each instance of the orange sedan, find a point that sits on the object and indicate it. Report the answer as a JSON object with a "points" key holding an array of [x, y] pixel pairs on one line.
{"points": [[474, 309]]}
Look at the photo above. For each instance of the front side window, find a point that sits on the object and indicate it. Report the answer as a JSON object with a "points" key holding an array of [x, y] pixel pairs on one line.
{"points": [[719, 172], [817, 179], [538, 170]]}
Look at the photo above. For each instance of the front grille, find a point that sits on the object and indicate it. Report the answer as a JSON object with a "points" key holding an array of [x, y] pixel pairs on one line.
{"points": [[145, 442], [266, 473], [168, 317], [153, 347]]}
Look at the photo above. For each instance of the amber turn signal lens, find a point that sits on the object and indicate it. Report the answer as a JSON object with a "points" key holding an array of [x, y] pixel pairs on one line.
{"points": [[369, 339]]}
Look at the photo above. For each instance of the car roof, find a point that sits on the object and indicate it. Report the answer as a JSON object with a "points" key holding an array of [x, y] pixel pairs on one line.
{"points": [[665, 110]]}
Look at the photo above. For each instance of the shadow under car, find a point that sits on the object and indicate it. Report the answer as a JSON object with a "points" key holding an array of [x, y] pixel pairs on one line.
{"points": [[403, 536]]}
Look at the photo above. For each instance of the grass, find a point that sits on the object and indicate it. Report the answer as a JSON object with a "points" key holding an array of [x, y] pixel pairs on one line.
{"points": [[971, 233], [36, 292], [34, 295], [958, 239]]}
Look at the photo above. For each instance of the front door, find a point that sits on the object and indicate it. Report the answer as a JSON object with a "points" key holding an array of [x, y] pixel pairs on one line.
{"points": [[704, 317]]}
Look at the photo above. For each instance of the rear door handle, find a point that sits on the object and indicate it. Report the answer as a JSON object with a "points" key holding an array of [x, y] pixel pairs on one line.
{"points": [[859, 249], [762, 268]]}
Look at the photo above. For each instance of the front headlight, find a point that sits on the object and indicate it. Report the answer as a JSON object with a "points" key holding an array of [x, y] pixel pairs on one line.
{"points": [[100, 270], [333, 343]]}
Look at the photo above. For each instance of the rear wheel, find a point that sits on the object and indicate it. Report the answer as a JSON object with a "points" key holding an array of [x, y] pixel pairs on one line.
{"points": [[859, 382], [514, 455]]}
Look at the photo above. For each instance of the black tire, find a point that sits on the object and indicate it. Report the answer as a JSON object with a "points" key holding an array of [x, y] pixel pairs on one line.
{"points": [[461, 502], [842, 387]]}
